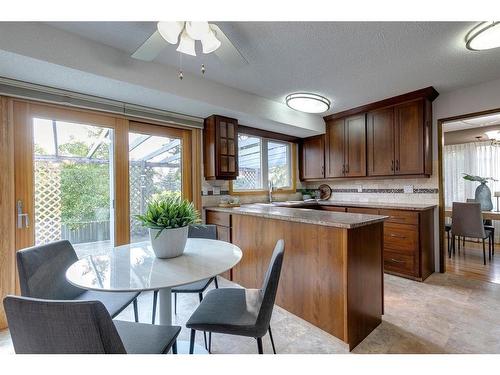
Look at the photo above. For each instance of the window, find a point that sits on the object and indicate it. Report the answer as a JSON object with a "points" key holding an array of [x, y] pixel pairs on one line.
{"points": [[262, 161]]}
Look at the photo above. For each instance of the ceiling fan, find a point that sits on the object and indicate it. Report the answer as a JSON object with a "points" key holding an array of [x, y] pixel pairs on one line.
{"points": [[186, 33]]}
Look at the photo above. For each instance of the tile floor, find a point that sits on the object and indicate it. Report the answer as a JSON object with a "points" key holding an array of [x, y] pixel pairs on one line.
{"points": [[445, 314]]}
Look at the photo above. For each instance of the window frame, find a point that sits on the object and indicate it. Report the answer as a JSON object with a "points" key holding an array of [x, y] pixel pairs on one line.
{"points": [[265, 168]]}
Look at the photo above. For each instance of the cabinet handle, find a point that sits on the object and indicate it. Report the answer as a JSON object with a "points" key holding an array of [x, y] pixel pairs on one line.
{"points": [[397, 235], [347, 168], [343, 168], [397, 261], [392, 165], [397, 165], [323, 170]]}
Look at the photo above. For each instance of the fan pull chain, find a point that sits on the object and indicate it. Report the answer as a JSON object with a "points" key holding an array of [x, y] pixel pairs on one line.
{"points": [[181, 75]]}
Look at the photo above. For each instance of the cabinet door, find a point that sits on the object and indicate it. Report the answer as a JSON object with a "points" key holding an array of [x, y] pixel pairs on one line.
{"points": [[334, 148], [227, 147], [409, 125], [380, 140], [355, 146], [312, 164]]}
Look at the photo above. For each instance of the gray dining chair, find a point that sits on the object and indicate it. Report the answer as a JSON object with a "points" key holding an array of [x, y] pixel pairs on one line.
{"points": [[194, 231], [467, 221], [42, 274], [40, 326], [238, 311]]}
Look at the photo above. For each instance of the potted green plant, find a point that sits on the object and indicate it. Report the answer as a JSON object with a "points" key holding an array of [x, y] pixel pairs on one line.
{"points": [[167, 217]]}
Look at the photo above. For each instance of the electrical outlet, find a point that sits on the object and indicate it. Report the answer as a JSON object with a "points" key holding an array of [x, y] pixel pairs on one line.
{"points": [[204, 190], [360, 189], [216, 190], [408, 189]]}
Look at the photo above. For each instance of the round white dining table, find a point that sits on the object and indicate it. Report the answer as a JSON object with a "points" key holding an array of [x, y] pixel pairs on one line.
{"points": [[135, 267]]}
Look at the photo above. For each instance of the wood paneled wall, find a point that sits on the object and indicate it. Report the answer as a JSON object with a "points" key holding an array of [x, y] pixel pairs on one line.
{"points": [[7, 222]]}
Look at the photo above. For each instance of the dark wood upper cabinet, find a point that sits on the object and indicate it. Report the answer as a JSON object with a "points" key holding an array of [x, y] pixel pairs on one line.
{"points": [[312, 158], [334, 149], [345, 150], [380, 141], [409, 137], [396, 139], [355, 146], [386, 138], [220, 148]]}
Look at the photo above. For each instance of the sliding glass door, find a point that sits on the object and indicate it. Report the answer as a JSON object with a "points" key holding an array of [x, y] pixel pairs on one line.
{"points": [[83, 176], [73, 184], [155, 169]]}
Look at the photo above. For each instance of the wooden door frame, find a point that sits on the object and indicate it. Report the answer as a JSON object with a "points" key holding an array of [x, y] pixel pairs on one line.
{"points": [[121, 126], [440, 141]]}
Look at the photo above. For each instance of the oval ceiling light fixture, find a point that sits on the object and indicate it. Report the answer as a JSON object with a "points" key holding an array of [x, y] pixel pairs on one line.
{"points": [[308, 102], [485, 35]]}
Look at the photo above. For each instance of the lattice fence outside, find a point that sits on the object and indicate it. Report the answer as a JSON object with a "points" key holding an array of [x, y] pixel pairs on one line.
{"points": [[248, 179], [47, 202], [145, 181]]}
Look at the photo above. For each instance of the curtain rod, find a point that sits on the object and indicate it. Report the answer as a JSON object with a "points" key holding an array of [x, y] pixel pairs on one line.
{"points": [[26, 90]]}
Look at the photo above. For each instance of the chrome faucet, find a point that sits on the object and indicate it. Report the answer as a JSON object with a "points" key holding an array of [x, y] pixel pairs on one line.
{"points": [[271, 187]]}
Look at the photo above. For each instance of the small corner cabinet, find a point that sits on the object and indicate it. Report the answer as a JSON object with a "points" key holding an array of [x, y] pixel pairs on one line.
{"points": [[220, 148]]}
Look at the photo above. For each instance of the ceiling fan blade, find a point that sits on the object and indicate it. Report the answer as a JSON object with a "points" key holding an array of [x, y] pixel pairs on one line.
{"points": [[227, 52], [150, 48]]}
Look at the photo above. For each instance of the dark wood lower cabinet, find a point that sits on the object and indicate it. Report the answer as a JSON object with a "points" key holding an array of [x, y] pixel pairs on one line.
{"points": [[223, 222], [408, 240]]}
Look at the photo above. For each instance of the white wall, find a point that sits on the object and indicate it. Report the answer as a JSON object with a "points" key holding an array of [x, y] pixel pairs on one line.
{"points": [[477, 98]]}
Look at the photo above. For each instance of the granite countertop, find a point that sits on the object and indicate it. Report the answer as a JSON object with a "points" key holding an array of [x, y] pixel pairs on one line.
{"points": [[304, 215], [390, 206]]}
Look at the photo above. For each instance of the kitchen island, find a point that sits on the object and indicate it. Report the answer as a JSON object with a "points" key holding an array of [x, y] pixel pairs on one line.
{"points": [[332, 273]]}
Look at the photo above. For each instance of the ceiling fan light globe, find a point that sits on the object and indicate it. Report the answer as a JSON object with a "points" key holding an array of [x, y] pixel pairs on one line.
{"points": [[197, 30], [187, 44], [210, 43], [170, 30]]}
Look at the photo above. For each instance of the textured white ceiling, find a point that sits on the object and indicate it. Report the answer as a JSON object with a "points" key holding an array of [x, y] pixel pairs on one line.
{"points": [[352, 63], [472, 122]]}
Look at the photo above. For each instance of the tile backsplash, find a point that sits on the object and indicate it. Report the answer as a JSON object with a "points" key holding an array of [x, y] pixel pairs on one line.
{"points": [[400, 190]]}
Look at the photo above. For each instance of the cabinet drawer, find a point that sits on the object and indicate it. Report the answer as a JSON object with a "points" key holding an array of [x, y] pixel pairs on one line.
{"points": [[223, 233], [362, 210], [400, 217], [332, 208], [218, 218], [401, 263], [400, 237]]}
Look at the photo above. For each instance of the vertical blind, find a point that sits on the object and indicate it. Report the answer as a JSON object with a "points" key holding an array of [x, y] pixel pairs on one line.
{"points": [[475, 158]]}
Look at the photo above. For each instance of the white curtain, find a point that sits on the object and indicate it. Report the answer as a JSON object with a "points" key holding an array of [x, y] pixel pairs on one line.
{"points": [[476, 158]]}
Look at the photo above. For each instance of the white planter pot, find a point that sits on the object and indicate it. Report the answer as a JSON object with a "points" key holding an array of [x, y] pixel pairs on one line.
{"points": [[170, 243]]}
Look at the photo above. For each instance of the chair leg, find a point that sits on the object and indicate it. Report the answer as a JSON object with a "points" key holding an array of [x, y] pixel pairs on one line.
{"points": [[484, 254], [175, 303], [272, 341], [489, 248], [493, 243], [209, 342], [259, 345], [191, 341], [155, 303], [200, 296], [216, 282], [136, 312], [463, 243], [174, 347]]}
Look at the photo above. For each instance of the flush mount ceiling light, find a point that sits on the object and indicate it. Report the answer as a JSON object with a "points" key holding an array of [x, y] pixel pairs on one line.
{"points": [[189, 32], [308, 102], [485, 35]]}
